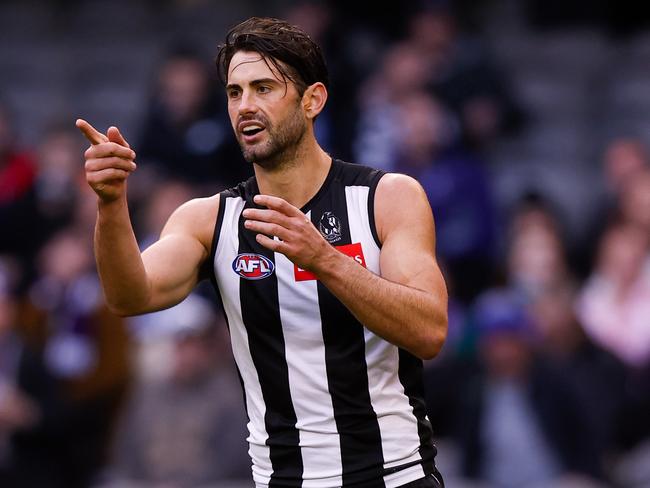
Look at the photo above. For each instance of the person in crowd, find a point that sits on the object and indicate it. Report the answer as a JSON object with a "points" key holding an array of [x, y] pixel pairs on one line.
{"points": [[185, 133], [17, 175], [402, 71], [50, 203], [30, 404], [183, 426], [635, 201], [458, 189], [537, 260], [462, 75], [168, 195], [614, 304], [596, 376], [520, 422], [85, 348], [625, 159]]}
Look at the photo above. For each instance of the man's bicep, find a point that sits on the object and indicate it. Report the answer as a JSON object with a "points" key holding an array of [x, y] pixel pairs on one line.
{"points": [[408, 234], [172, 265], [407, 260]]}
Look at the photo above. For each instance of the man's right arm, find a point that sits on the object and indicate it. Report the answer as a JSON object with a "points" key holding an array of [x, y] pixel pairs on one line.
{"points": [[168, 270]]}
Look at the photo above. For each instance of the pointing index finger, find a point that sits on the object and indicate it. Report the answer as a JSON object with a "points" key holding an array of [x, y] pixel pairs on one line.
{"points": [[92, 134]]}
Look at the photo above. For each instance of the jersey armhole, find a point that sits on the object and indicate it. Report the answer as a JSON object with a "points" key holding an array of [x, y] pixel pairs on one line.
{"points": [[374, 181], [209, 264]]}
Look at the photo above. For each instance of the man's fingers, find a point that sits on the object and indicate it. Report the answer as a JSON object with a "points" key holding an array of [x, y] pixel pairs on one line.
{"points": [[92, 134], [108, 149], [268, 229], [114, 162], [267, 215], [114, 135], [106, 175], [272, 244], [278, 204]]}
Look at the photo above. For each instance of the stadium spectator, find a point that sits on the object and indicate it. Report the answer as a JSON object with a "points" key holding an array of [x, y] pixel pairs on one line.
{"points": [[458, 189], [597, 377], [184, 427], [402, 71], [186, 133], [50, 202], [624, 158], [30, 407], [85, 348], [168, 196], [520, 423], [614, 305], [17, 174], [537, 260], [635, 201], [463, 76]]}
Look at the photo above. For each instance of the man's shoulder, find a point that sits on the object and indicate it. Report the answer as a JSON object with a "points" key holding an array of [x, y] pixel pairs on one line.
{"points": [[195, 217]]}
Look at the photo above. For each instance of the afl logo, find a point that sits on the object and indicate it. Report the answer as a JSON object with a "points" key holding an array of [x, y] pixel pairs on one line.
{"points": [[330, 227], [253, 266]]}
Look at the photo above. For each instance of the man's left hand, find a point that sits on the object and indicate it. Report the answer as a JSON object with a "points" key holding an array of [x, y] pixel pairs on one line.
{"points": [[297, 238]]}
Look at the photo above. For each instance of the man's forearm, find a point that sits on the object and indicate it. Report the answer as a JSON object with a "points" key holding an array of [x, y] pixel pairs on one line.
{"points": [[407, 317], [119, 262]]}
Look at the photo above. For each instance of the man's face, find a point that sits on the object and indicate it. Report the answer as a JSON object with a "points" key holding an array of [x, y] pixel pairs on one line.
{"points": [[265, 110]]}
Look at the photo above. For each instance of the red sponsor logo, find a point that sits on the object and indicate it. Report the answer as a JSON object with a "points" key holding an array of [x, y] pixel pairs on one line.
{"points": [[352, 250]]}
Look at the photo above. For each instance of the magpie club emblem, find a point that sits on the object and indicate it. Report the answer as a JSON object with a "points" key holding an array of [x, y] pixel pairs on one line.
{"points": [[330, 227]]}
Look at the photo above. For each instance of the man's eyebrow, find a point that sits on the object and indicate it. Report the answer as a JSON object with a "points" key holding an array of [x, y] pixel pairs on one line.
{"points": [[255, 83], [265, 80]]}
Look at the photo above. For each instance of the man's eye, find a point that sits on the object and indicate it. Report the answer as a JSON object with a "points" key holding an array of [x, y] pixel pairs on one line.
{"points": [[233, 93], [263, 89]]}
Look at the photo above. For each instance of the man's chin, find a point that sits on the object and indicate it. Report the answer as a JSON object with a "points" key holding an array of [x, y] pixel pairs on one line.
{"points": [[262, 158]]}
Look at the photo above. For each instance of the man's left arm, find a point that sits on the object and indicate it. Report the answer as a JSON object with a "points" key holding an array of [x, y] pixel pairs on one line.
{"points": [[407, 304]]}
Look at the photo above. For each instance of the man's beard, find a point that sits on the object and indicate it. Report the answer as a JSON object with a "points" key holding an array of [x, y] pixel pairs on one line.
{"points": [[281, 144]]}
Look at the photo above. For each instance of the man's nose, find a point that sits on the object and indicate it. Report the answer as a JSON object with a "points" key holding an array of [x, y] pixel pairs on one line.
{"points": [[248, 103]]}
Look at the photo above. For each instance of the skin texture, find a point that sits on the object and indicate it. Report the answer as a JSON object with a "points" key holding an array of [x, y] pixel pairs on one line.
{"points": [[406, 305]]}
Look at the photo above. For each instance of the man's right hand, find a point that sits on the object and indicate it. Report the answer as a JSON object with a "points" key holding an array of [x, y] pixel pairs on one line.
{"points": [[109, 161]]}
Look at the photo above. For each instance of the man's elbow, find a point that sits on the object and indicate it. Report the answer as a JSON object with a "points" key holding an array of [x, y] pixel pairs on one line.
{"points": [[434, 339], [121, 311], [125, 309]]}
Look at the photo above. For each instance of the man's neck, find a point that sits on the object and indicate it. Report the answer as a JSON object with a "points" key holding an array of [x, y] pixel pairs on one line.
{"points": [[296, 181]]}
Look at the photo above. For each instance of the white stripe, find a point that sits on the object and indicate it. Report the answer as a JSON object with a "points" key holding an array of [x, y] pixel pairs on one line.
{"points": [[228, 282], [305, 355], [397, 422], [404, 476]]}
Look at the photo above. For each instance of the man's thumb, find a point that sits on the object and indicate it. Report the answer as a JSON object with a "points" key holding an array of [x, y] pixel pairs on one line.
{"points": [[114, 135]]}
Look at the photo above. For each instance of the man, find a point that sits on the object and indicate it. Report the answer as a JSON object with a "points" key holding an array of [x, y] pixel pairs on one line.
{"points": [[326, 271]]}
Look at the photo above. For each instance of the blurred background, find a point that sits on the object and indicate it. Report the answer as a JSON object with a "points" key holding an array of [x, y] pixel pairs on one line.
{"points": [[528, 124]]}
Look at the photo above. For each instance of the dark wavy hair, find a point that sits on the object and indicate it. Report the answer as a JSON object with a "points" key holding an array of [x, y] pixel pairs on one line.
{"points": [[287, 47]]}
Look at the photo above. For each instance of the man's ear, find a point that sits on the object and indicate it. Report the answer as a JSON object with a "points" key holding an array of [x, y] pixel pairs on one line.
{"points": [[313, 100]]}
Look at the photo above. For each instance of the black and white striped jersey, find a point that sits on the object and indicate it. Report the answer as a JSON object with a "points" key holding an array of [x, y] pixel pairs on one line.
{"points": [[329, 403]]}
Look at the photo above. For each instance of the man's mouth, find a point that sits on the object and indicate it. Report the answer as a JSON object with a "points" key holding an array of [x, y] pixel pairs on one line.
{"points": [[251, 130]]}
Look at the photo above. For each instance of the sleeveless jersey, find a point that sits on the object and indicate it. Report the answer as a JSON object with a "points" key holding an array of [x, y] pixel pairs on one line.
{"points": [[329, 403]]}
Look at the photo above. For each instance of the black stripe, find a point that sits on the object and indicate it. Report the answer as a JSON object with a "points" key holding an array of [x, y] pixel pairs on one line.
{"points": [[347, 371], [261, 316], [376, 176], [410, 375], [209, 264]]}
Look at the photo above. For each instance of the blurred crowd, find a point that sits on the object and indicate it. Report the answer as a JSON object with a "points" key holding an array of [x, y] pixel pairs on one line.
{"points": [[545, 376]]}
